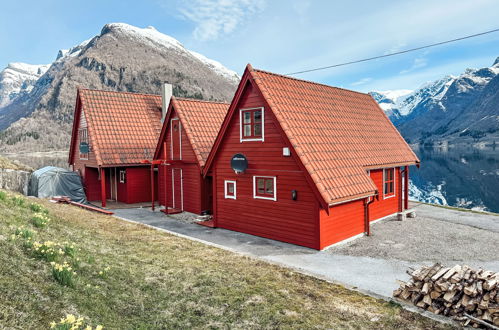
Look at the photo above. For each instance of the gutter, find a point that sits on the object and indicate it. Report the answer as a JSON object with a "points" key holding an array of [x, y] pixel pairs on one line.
{"points": [[367, 224]]}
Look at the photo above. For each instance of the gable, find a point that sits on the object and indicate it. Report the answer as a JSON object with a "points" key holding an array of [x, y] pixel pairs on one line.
{"points": [[123, 127], [336, 134]]}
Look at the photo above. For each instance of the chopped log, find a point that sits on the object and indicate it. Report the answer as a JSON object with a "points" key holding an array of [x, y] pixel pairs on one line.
{"points": [[451, 272], [439, 274]]}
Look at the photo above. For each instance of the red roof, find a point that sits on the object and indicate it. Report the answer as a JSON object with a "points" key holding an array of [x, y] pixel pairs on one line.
{"points": [[337, 134], [201, 121], [123, 127]]}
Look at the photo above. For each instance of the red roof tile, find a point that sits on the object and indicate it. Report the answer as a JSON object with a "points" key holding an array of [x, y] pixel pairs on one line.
{"points": [[336, 133], [123, 127], [202, 121]]}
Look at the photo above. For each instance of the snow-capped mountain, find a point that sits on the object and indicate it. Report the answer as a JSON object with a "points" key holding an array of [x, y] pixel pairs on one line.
{"points": [[448, 107], [17, 79], [121, 57]]}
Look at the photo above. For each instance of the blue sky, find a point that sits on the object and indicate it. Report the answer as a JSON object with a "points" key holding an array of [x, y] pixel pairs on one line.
{"points": [[277, 35]]}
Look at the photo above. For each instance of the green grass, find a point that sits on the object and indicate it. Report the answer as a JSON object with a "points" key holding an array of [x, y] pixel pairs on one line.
{"points": [[127, 276]]}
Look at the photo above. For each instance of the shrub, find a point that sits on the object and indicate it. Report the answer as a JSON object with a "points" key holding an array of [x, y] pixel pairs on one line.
{"points": [[63, 273], [71, 322], [3, 195], [38, 208], [40, 220]]}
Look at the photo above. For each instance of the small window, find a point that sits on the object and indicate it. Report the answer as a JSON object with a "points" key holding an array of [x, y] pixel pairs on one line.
{"points": [[122, 176], [252, 124], [389, 182], [230, 189], [264, 187], [84, 146]]}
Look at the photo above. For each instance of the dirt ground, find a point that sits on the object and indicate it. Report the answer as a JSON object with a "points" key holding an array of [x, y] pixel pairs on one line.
{"points": [[424, 239]]}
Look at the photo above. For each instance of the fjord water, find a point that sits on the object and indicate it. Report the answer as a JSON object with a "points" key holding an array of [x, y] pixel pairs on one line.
{"points": [[462, 177]]}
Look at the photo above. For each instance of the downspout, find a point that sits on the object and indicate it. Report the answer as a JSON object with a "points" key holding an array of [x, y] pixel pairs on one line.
{"points": [[152, 185], [367, 223]]}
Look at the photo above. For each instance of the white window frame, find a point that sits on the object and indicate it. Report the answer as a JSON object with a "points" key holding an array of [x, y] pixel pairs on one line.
{"points": [[171, 137], [255, 196], [241, 139], [226, 182], [394, 183], [122, 176]]}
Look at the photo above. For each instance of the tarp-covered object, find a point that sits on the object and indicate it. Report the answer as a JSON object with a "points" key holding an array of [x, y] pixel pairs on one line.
{"points": [[52, 181]]}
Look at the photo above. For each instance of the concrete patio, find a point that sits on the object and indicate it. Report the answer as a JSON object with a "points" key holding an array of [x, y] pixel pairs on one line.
{"points": [[345, 264]]}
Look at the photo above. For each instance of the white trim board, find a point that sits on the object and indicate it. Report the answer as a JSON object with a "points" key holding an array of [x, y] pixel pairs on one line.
{"points": [[275, 187], [241, 139], [225, 189]]}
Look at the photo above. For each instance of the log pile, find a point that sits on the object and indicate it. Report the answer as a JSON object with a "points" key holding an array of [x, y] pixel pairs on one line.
{"points": [[469, 296]]}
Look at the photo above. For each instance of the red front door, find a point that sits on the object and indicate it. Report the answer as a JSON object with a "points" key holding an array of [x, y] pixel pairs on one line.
{"points": [[176, 133], [178, 189]]}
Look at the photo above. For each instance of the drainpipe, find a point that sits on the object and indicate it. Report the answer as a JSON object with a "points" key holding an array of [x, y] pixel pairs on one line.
{"points": [[367, 224], [152, 185]]}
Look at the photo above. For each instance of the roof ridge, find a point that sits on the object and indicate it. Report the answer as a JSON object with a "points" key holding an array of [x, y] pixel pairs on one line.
{"points": [[307, 81], [117, 92], [197, 100]]}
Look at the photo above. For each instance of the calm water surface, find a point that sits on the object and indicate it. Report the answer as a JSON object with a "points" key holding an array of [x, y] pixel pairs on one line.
{"points": [[460, 177], [463, 177]]}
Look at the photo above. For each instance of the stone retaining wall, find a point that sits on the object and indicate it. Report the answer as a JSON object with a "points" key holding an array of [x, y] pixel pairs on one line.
{"points": [[14, 180]]}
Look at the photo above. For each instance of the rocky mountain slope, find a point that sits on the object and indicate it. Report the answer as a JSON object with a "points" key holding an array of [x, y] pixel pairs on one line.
{"points": [[123, 58], [18, 79], [456, 109]]}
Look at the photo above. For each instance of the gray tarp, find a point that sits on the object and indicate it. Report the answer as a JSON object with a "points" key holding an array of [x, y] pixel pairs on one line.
{"points": [[55, 181]]}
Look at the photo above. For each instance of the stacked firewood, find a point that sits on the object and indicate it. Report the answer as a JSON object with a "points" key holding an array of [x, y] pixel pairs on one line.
{"points": [[467, 295]]}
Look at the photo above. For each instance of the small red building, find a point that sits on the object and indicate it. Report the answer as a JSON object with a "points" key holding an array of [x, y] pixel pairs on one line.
{"points": [[189, 130], [305, 163], [113, 132]]}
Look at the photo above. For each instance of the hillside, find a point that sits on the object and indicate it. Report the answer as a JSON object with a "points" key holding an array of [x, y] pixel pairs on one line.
{"points": [[122, 58], [127, 276], [462, 109]]}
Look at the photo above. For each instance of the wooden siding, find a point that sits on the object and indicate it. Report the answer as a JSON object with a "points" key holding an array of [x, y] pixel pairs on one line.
{"points": [[383, 207], [285, 219], [79, 164], [344, 221], [92, 184], [192, 181], [138, 182]]}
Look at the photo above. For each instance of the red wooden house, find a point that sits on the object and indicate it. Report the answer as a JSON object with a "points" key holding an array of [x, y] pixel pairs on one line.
{"points": [[189, 130], [113, 132], [322, 162]]}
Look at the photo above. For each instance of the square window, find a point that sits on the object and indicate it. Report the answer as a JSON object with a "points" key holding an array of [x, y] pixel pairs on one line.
{"points": [[230, 189], [264, 187]]}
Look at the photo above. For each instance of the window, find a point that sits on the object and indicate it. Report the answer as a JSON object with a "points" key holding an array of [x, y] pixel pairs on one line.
{"points": [[122, 176], [230, 189], [388, 182], [84, 147], [264, 187], [252, 124]]}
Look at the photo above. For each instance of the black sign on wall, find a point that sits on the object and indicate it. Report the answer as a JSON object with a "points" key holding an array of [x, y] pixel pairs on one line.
{"points": [[239, 163], [84, 148]]}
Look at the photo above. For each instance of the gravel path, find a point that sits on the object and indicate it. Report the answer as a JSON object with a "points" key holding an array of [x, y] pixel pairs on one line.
{"points": [[424, 239]]}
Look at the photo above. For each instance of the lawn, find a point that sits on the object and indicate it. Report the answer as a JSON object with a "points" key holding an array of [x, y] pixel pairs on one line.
{"points": [[127, 276]]}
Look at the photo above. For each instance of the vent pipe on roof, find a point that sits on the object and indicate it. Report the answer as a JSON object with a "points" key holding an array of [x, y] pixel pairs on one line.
{"points": [[166, 95]]}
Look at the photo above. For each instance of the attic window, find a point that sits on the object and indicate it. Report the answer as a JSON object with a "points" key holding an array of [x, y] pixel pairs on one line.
{"points": [[251, 124], [388, 182], [84, 147]]}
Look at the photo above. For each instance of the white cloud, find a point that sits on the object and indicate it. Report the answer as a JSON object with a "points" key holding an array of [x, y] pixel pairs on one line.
{"points": [[214, 18], [362, 81], [418, 63]]}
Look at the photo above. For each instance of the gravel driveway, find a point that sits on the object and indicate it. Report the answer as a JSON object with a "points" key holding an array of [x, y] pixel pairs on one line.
{"points": [[426, 238]]}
